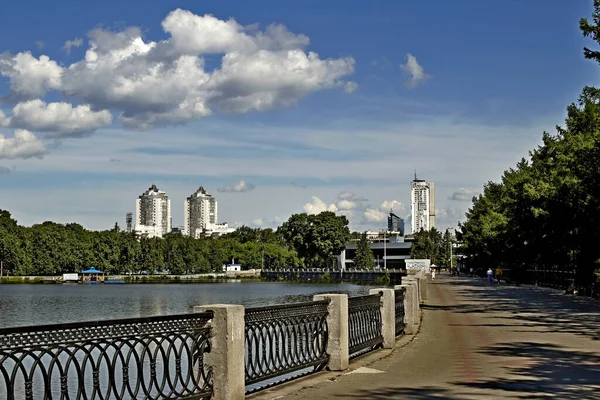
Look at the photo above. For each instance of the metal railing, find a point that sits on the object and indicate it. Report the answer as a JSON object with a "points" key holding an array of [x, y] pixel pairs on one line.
{"points": [[399, 310], [550, 277], [150, 358], [364, 324], [284, 339]]}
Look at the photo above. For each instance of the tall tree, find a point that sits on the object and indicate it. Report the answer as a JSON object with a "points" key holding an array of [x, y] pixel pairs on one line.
{"points": [[364, 258]]}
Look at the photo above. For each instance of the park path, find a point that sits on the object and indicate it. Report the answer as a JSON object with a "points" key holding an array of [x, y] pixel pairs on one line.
{"points": [[485, 341]]}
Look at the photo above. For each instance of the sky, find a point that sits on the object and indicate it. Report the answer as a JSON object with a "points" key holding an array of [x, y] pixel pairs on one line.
{"points": [[276, 107]]}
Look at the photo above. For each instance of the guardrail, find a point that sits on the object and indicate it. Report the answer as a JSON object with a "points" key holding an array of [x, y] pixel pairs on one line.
{"points": [[151, 358], [284, 339], [399, 310], [170, 357], [364, 324]]}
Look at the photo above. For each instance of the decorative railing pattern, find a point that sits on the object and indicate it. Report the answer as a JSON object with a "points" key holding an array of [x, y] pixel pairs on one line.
{"points": [[364, 323], [284, 339], [399, 310], [138, 358]]}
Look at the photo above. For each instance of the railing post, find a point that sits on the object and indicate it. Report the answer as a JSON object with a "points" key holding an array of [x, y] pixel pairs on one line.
{"points": [[226, 357], [337, 322], [388, 316], [411, 307]]}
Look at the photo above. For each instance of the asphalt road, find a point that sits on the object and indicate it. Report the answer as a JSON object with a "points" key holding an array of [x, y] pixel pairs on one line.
{"points": [[481, 341]]}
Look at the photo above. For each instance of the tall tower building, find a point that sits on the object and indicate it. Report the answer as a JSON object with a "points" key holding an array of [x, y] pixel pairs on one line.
{"points": [[200, 213], [153, 213], [395, 223], [422, 195]]}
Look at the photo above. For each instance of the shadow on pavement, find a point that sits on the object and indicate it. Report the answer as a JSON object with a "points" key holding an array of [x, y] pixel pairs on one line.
{"points": [[530, 306], [543, 370], [420, 393]]}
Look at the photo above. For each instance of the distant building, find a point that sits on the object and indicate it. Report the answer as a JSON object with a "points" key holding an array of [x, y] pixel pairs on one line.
{"points": [[395, 224], [200, 213], [177, 230], [153, 213], [391, 254], [422, 195]]}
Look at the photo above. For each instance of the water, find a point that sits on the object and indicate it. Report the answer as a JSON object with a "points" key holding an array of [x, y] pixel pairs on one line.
{"points": [[22, 304]]}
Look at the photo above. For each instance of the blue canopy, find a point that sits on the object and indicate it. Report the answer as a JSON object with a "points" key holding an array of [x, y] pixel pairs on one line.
{"points": [[92, 271]]}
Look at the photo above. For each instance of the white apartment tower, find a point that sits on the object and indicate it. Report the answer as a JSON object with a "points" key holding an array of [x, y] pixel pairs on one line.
{"points": [[200, 213], [422, 195], [153, 213]]}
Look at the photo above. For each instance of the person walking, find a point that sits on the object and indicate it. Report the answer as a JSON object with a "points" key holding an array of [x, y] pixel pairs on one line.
{"points": [[490, 275], [433, 274], [498, 274], [471, 271]]}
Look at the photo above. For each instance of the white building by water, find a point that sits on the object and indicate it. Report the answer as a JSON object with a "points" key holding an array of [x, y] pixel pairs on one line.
{"points": [[153, 213], [200, 213], [422, 195]]}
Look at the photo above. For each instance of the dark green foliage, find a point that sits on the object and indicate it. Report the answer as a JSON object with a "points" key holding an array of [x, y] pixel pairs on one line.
{"points": [[50, 249], [545, 212], [318, 239], [432, 245], [364, 255]]}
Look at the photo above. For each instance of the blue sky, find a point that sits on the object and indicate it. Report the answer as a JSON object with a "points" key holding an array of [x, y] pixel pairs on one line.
{"points": [[495, 74]]}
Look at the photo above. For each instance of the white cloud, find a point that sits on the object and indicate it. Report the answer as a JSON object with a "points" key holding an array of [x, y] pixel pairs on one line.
{"points": [[69, 44], [162, 83], [241, 186], [390, 205], [24, 144], [61, 119], [416, 71], [463, 194], [375, 215], [30, 77], [317, 206]]}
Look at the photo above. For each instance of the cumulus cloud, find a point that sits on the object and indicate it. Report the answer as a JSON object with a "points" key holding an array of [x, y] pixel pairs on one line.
{"points": [[416, 71], [241, 186], [380, 214], [158, 83], [449, 216], [69, 44], [30, 77], [264, 222], [463, 194], [317, 206], [62, 119], [24, 144]]}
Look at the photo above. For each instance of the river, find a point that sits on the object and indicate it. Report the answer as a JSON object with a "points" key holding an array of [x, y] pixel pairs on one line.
{"points": [[37, 304]]}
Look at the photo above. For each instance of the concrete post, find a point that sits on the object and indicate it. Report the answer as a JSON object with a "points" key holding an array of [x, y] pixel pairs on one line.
{"points": [[411, 307], [226, 356], [414, 279], [388, 316], [337, 321], [423, 280]]}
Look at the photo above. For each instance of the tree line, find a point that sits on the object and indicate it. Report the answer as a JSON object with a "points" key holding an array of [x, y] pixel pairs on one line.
{"points": [[51, 248], [545, 211]]}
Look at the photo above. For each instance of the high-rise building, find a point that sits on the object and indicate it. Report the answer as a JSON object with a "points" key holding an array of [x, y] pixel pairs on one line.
{"points": [[395, 223], [422, 195], [200, 213], [153, 213]]}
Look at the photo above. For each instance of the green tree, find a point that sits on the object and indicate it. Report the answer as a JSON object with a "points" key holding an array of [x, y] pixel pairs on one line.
{"points": [[364, 255]]}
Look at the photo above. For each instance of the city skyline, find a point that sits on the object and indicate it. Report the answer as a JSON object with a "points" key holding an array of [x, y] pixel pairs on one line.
{"points": [[93, 110]]}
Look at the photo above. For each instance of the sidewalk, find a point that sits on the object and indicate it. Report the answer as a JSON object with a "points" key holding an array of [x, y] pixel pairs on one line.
{"points": [[478, 341]]}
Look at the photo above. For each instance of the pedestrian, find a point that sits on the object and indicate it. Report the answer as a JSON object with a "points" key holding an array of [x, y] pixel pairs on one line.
{"points": [[498, 274], [433, 274], [490, 275], [471, 271]]}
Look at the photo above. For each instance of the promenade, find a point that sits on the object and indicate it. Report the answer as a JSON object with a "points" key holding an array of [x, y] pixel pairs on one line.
{"points": [[478, 341]]}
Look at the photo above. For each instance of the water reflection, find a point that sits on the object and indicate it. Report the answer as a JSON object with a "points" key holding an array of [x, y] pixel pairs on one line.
{"points": [[46, 304]]}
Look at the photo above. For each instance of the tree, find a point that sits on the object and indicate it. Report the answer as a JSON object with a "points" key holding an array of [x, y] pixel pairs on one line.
{"points": [[318, 239], [364, 258]]}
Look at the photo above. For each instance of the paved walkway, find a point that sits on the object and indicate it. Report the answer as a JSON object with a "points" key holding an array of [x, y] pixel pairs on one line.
{"points": [[480, 341]]}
